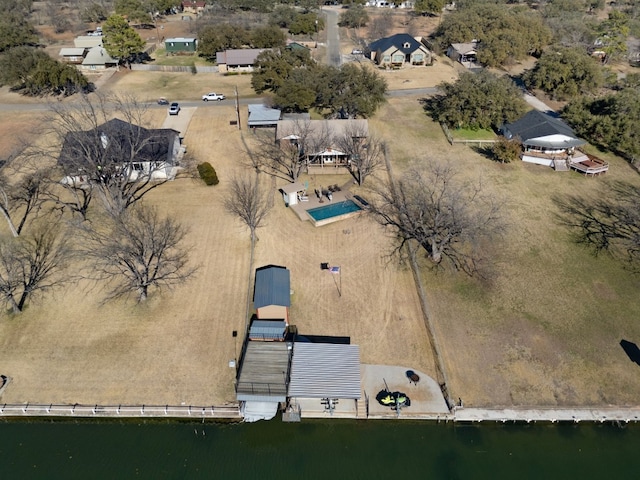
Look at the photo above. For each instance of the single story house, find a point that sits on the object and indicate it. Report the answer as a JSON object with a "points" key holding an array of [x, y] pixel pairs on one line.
{"points": [[119, 148], [272, 293], [97, 58], [406, 4], [399, 50], [465, 53], [180, 44], [193, 6], [320, 142], [263, 116], [87, 41], [72, 54], [547, 140], [237, 60]]}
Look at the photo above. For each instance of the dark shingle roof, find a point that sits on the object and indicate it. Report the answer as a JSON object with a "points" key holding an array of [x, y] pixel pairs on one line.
{"points": [[536, 124], [272, 287], [398, 40], [116, 142]]}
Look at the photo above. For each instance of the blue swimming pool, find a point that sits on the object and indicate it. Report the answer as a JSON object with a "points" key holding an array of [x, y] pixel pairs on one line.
{"points": [[333, 210]]}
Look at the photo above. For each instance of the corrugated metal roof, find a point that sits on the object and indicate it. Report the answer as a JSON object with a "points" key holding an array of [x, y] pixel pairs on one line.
{"points": [[261, 115], [325, 370], [267, 329], [272, 287]]}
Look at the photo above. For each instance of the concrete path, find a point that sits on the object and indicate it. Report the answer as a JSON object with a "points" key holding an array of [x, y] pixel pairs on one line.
{"points": [[550, 414]]}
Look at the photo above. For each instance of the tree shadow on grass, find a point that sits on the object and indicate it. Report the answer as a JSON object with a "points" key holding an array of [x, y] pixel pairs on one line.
{"points": [[632, 350], [485, 151], [608, 222]]}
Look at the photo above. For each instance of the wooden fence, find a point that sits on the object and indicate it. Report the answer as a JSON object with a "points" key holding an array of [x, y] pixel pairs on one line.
{"points": [[174, 68]]}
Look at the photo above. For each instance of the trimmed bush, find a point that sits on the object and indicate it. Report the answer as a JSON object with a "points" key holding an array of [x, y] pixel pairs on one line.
{"points": [[208, 174]]}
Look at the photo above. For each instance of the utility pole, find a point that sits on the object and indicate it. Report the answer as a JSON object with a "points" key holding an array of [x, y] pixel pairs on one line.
{"points": [[238, 109]]}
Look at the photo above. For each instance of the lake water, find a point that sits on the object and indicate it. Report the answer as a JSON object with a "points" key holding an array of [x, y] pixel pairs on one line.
{"points": [[322, 449]]}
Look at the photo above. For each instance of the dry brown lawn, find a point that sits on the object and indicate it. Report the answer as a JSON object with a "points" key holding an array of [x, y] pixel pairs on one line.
{"points": [[544, 331]]}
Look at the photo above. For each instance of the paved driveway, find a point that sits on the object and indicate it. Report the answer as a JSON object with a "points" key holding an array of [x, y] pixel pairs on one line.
{"points": [[181, 121]]}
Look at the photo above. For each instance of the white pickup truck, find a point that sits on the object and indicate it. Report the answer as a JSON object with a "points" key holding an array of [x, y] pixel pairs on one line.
{"points": [[213, 96]]}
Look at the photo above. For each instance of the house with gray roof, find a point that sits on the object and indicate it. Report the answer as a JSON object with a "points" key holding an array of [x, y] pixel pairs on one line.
{"points": [[399, 50], [97, 58], [465, 53], [237, 60], [547, 140], [543, 137], [118, 148]]}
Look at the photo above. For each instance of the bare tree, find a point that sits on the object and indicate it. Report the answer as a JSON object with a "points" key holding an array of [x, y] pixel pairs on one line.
{"points": [[248, 201], [287, 156], [365, 152], [22, 188], [73, 195], [32, 264], [115, 159], [136, 251], [451, 220], [381, 25]]}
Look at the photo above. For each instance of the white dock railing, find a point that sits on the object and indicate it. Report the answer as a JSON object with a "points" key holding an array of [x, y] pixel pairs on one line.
{"points": [[124, 411]]}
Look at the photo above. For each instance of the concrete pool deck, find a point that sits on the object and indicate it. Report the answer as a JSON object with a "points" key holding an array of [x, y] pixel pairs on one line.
{"points": [[313, 201]]}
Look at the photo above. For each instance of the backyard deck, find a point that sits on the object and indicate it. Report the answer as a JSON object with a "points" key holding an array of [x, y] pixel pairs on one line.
{"points": [[562, 162]]}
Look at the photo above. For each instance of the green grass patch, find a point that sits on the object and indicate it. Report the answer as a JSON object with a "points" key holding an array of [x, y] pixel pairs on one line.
{"points": [[468, 134], [162, 58]]}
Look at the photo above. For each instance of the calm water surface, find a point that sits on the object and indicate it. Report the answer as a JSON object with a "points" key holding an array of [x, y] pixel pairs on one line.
{"points": [[334, 449]]}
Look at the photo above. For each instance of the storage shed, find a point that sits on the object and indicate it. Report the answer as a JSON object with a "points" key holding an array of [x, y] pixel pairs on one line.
{"points": [[179, 45], [272, 293]]}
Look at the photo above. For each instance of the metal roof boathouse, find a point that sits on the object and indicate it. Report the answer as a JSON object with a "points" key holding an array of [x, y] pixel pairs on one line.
{"points": [[325, 370]]}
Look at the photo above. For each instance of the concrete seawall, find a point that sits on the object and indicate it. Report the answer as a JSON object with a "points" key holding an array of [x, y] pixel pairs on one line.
{"points": [[231, 412]]}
